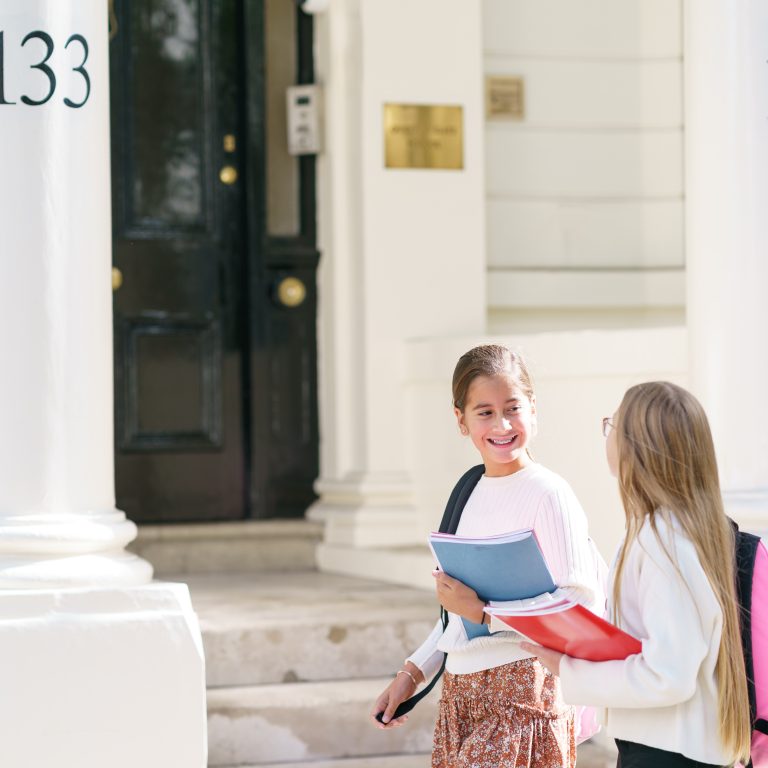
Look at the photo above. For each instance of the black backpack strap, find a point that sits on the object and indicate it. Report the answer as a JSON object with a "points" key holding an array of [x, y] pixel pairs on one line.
{"points": [[746, 554], [406, 706], [450, 522], [458, 498]]}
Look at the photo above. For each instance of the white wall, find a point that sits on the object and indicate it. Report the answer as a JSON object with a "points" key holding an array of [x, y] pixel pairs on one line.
{"points": [[584, 195]]}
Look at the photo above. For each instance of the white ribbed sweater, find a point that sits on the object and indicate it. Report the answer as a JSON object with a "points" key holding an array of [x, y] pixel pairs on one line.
{"points": [[537, 498]]}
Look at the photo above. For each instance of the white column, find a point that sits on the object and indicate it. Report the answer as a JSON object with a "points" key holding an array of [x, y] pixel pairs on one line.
{"points": [[726, 126], [403, 252], [108, 666], [58, 522]]}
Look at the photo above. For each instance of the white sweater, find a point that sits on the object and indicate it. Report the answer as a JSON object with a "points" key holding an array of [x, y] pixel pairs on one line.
{"points": [[666, 696], [533, 497]]}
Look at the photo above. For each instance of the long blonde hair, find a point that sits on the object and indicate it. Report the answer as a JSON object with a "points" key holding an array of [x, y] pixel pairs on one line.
{"points": [[666, 461]]}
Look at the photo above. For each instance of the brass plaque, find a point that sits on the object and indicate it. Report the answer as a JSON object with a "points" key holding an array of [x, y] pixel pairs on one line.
{"points": [[423, 136], [504, 98]]}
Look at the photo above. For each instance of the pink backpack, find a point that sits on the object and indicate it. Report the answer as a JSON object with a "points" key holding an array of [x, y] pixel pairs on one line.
{"points": [[752, 571]]}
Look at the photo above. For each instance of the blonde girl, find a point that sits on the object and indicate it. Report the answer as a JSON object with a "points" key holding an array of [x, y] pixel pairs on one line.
{"points": [[683, 700], [499, 706]]}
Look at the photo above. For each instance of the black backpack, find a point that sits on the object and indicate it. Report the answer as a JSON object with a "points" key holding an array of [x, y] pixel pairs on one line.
{"points": [[747, 547], [450, 522]]}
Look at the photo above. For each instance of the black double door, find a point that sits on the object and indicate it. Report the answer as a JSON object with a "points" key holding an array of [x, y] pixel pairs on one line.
{"points": [[215, 394]]}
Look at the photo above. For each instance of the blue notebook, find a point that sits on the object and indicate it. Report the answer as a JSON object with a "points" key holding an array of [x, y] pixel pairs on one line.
{"points": [[506, 567]]}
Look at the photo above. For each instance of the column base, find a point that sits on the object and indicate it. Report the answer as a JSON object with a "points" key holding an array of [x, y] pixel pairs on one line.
{"points": [[365, 511], [39, 551], [365, 520], [111, 677], [103, 569]]}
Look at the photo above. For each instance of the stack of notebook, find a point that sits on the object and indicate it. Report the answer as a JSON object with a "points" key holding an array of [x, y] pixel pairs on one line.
{"points": [[511, 569]]}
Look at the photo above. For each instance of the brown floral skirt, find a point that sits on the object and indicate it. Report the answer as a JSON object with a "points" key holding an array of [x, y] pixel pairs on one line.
{"points": [[511, 716]]}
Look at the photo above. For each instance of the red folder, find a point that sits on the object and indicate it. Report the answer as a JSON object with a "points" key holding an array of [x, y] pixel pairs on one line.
{"points": [[575, 631]]}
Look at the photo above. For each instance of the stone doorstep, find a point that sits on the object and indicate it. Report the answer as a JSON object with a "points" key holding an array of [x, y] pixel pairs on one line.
{"points": [[407, 566], [271, 628], [248, 545], [298, 722]]}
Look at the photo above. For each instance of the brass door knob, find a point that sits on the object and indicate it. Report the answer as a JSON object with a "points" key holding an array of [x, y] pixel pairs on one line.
{"points": [[117, 279], [291, 292], [228, 174]]}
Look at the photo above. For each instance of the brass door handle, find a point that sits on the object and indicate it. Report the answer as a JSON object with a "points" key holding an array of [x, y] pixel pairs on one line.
{"points": [[228, 174], [117, 279], [291, 292]]}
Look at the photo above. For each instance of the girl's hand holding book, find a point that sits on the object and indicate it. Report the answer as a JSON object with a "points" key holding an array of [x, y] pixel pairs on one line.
{"points": [[458, 598]]}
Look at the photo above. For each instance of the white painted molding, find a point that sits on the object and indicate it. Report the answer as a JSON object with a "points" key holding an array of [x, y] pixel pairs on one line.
{"points": [[588, 234], [748, 508], [590, 289], [598, 29], [586, 354]]}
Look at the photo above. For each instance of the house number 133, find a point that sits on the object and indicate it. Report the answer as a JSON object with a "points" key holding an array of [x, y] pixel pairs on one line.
{"points": [[47, 75]]}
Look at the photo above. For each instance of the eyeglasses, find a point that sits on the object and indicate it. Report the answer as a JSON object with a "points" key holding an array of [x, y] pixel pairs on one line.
{"points": [[607, 425]]}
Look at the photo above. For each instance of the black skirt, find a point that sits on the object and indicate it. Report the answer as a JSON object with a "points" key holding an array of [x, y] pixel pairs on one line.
{"points": [[632, 755]]}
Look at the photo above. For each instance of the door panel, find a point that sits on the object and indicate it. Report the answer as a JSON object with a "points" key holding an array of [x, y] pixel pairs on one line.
{"points": [[179, 345], [282, 400], [293, 412], [215, 378], [167, 143], [171, 355]]}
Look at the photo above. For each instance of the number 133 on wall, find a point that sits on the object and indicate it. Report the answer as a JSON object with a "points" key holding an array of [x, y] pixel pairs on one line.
{"points": [[42, 46]]}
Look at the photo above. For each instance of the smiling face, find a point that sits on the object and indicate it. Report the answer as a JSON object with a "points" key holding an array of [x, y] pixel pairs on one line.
{"points": [[500, 420]]}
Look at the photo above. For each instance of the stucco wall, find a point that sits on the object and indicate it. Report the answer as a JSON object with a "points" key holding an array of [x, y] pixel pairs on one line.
{"points": [[585, 193]]}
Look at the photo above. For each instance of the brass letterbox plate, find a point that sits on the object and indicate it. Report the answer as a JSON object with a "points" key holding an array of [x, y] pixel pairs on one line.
{"points": [[423, 136], [504, 98]]}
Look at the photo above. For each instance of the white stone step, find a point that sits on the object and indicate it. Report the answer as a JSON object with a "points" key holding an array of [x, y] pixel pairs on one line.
{"points": [[297, 722], [261, 628], [225, 547]]}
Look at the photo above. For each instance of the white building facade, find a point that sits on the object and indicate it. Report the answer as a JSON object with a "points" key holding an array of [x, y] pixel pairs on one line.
{"points": [[612, 231]]}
